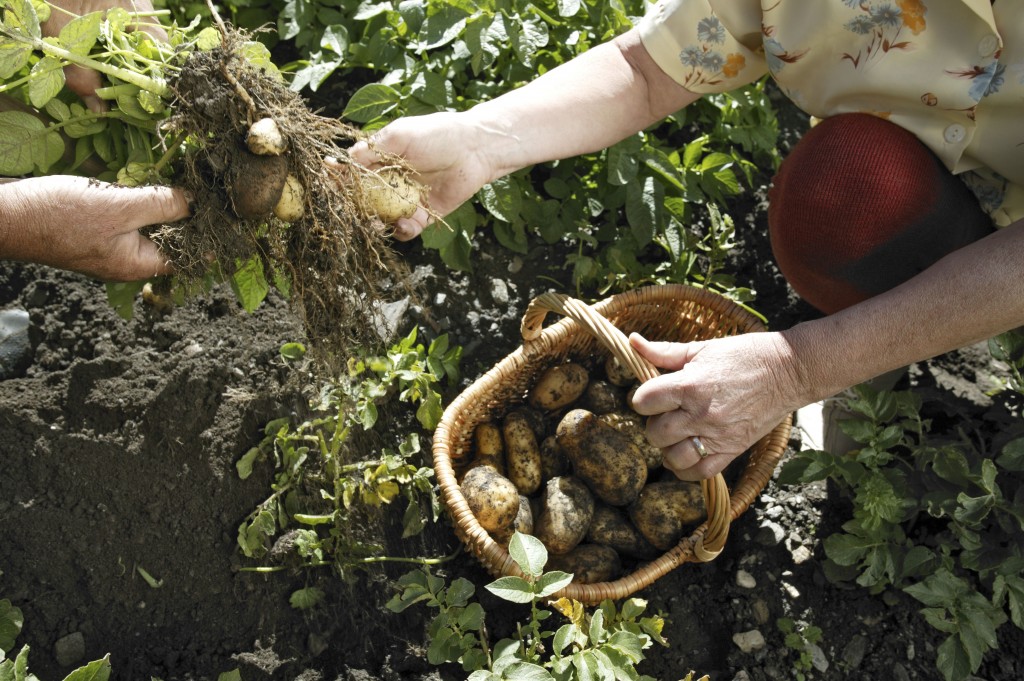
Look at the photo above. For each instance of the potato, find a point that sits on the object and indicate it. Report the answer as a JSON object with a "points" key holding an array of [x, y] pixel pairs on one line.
{"points": [[589, 563], [491, 496], [390, 194], [617, 372], [602, 397], [610, 527], [553, 461], [265, 138], [292, 204], [559, 386], [566, 511], [255, 184], [522, 453], [489, 461], [487, 441], [523, 522], [664, 510], [601, 456], [631, 424]]}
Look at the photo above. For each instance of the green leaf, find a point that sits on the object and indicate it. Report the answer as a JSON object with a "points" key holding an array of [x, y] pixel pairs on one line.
{"points": [[552, 582], [25, 143], [503, 198], [1012, 456], [13, 57], [21, 16], [47, 79], [442, 27], [304, 599], [249, 284], [952, 660], [623, 163], [11, 621], [512, 588], [847, 549], [529, 553], [293, 351], [244, 465], [97, 670], [430, 411], [526, 671], [568, 8], [233, 675], [208, 39], [121, 295], [643, 206], [81, 33], [370, 102]]}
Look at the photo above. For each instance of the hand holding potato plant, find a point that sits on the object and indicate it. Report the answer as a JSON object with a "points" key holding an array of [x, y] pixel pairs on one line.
{"points": [[208, 111]]}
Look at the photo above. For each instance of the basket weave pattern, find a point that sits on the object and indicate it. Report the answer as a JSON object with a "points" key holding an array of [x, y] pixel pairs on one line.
{"points": [[670, 312]]}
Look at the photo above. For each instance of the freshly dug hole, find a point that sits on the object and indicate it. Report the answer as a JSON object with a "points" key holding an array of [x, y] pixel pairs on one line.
{"points": [[334, 257]]}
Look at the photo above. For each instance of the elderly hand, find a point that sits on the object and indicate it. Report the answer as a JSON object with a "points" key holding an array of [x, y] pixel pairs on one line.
{"points": [[445, 151], [728, 391], [83, 82], [87, 226]]}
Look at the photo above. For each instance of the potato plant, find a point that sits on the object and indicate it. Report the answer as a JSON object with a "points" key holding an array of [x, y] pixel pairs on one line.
{"points": [[939, 518], [605, 643], [326, 475], [210, 112]]}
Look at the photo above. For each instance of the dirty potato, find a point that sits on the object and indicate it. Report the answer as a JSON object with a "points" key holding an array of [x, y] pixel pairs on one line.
{"points": [[553, 461], [617, 372], [601, 456], [631, 424], [522, 453], [559, 386], [589, 563], [491, 496], [523, 523], [566, 510], [610, 527], [602, 397], [664, 511]]}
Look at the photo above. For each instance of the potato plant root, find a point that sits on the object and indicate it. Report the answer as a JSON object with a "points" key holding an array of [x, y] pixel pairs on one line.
{"points": [[335, 257]]}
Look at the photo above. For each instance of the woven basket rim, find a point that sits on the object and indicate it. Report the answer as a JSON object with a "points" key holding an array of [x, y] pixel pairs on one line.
{"points": [[765, 454]]}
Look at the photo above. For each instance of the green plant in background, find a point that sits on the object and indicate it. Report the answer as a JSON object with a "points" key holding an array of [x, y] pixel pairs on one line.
{"points": [[606, 643], [800, 638], [943, 521], [327, 471], [630, 211]]}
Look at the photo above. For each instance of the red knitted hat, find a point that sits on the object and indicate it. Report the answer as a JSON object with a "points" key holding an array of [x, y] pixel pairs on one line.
{"points": [[861, 205]]}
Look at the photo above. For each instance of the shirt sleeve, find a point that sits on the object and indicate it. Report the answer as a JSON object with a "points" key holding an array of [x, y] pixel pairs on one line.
{"points": [[707, 46]]}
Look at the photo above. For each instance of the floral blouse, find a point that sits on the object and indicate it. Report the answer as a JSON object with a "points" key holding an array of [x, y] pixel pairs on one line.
{"points": [[950, 71]]}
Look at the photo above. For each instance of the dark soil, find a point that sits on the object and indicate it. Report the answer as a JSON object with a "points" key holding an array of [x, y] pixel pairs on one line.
{"points": [[119, 445]]}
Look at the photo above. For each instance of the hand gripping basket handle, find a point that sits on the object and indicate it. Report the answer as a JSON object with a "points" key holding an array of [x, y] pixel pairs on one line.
{"points": [[716, 492]]}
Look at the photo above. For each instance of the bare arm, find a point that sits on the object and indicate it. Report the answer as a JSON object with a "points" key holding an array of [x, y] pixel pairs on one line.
{"points": [[589, 103], [599, 98], [731, 391]]}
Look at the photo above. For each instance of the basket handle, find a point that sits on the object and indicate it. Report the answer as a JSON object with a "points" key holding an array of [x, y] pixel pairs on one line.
{"points": [[716, 492]]}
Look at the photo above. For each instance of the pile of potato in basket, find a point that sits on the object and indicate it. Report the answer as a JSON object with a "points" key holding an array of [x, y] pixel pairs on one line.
{"points": [[573, 468]]}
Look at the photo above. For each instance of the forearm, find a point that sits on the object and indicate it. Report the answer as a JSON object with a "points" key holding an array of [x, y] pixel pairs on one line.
{"points": [[589, 103], [968, 296]]}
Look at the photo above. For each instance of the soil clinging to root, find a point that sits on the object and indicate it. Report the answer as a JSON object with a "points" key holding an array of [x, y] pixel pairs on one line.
{"points": [[335, 258]]}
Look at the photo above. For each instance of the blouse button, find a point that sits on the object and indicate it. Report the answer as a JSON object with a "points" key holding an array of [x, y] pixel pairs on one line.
{"points": [[988, 45], [954, 134]]}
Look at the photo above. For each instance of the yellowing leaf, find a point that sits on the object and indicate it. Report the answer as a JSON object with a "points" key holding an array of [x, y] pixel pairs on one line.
{"points": [[208, 39], [81, 33], [13, 57]]}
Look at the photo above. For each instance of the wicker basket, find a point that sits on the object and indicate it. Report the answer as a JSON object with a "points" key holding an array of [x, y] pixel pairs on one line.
{"points": [[589, 333]]}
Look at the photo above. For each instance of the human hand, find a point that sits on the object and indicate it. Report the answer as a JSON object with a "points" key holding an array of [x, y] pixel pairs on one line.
{"points": [[728, 391], [442, 150], [87, 226], [83, 82]]}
